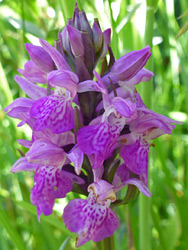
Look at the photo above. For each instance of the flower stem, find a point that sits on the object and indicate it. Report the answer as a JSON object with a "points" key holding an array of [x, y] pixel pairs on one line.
{"points": [[144, 202], [108, 243]]}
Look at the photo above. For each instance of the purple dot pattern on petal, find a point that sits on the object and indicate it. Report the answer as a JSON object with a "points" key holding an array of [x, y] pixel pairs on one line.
{"points": [[53, 112]]}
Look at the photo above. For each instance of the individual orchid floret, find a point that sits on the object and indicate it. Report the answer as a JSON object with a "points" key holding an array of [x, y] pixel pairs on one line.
{"points": [[147, 126], [56, 111], [92, 219], [127, 66]]}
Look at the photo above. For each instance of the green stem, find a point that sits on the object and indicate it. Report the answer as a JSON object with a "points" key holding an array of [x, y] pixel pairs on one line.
{"points": [[146, 92], [99, 245], [106, 244]]}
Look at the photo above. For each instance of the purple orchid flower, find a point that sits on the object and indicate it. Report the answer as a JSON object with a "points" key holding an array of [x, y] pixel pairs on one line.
{"points": [[76, 118], [93, 219], [128, 66]]}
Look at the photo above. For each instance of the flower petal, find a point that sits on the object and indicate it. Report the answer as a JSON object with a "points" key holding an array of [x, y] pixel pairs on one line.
{"points": [[40, 57], [23, 165], [31, 89], [64, 79], [33, 73], [55, 55], [76, 156], [136, 182], [125, 107], [97, 140], [54, 112], [90, 220], [50, 183], [135, 156], [128, 66], [46, 153]]}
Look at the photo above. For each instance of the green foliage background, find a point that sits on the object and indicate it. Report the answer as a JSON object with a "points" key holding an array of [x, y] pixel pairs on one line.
{"points": [[24, 21]]}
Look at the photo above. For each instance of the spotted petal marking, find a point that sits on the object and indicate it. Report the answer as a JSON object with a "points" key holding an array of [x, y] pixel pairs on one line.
{"points": [[54, 112], [50, 183], [98, 140], [136, 156]]}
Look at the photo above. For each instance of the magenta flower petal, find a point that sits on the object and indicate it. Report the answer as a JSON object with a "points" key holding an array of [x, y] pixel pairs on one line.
{"points": [[106, 42], [97, 37], [135, 156], [46, 153], [59, 60], [64, 79], [149, 120], [122, 174], [76, 156], [50, 183], [54, 112], [22, 164], [128, 66], [144, 75], [136, 182], [97, 140], [25, 143], [40, 57], [90, 220], [20, 102], [58, 139], [31, 89], [75, 39], [90, 85], [33, 73], [125, 107]]}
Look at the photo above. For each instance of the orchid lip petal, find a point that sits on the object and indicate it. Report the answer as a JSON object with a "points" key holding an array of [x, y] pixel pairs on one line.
{"points": [[90, 220], [50, 183], [54, 112]]}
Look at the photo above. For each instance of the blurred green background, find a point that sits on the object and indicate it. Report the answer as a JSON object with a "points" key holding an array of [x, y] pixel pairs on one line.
{"points": [[25, 21]]}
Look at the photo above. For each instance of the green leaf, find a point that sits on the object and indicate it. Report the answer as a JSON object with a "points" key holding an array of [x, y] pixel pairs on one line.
{"points": [[49, 219], [173, 230], [11, 230], [182, 30], [64, 244]]}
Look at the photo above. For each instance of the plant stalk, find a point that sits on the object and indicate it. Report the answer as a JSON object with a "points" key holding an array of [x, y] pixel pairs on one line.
{"points": [[106, 244]]}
